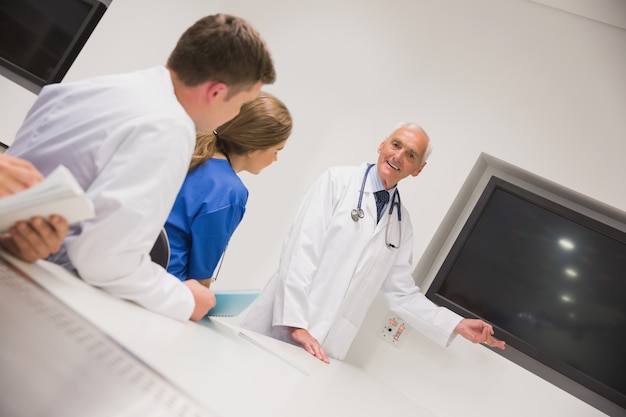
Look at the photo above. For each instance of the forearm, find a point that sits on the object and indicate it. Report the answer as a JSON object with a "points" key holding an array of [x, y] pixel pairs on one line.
{"points": [[147, 284]]}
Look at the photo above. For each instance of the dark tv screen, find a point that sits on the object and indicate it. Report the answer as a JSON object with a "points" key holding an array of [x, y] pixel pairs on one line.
{"points": [[40, 39], [551, 281]]}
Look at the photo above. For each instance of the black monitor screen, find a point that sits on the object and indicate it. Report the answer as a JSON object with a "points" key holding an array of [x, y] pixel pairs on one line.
{"points": [[551, 281], [40, 39]]}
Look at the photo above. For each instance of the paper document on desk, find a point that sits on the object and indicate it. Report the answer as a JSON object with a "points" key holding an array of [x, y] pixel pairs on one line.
{"points": [[59, 193], [232, 303]]}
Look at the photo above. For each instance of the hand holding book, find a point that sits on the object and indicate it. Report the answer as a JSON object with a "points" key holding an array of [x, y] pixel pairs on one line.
{"points": [[59, 194]]}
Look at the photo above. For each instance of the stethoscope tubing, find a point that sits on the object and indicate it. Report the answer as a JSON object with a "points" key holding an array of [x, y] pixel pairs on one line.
{"points": [[357, 213]]}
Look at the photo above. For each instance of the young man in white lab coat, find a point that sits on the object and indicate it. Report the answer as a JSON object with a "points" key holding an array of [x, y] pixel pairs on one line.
{"points": [[128, 140], [334, 261]]}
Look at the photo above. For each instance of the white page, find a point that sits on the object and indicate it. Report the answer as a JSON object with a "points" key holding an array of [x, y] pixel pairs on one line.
{"points": [[59, 193]]}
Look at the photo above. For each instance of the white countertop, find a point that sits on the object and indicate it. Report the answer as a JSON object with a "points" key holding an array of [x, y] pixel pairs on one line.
{"points": [[218, 367]]}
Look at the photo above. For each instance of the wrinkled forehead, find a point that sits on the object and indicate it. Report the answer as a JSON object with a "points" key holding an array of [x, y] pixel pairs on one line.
{"points": [[411, 139]]}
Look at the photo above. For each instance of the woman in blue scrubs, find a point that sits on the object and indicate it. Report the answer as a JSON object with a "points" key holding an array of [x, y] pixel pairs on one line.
{"points": [[212, 201]]}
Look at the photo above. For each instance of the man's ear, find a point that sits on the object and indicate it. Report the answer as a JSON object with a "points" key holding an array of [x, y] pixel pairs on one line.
{"points": [[418, 169], [216, 90], [380, 147]]}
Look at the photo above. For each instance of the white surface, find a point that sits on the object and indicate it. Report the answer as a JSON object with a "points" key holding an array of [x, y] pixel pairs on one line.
{"points": [[464, 379], [229, 373], [611, 12], [55, 363]]}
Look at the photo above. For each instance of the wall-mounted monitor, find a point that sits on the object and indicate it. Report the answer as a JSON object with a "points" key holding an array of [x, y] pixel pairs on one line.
{"points": [[552, 282], [40, 39]]}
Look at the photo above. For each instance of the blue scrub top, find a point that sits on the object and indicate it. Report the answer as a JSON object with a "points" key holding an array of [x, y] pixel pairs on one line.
{"points": [[207, 210]]}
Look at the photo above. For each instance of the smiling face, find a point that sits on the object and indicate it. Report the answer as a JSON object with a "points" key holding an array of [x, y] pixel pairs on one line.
{"points": [[400, 155]]}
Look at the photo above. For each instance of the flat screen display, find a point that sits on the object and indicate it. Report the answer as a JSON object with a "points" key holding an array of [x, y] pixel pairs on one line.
{"points": [[551, 281], [40, 39]]}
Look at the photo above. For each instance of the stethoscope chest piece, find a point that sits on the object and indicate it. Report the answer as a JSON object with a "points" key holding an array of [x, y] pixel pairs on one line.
{"points": [[357, 214]]}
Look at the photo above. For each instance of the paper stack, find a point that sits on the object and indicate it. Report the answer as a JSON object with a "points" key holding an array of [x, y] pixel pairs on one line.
{"points": [[59, 193]]}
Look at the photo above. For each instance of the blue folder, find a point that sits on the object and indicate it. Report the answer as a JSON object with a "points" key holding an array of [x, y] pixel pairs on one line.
{"points": [[232, 303]]}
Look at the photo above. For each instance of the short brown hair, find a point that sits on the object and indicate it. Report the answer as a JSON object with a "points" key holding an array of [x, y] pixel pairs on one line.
{"points": [[222, 48]]}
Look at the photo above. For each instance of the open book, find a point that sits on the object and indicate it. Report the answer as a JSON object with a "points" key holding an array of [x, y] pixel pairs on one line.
{"points": [[59, 193], [232, 303]]}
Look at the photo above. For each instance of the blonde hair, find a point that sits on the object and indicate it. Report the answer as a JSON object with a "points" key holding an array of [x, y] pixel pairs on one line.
{"points": [[262, 123]]}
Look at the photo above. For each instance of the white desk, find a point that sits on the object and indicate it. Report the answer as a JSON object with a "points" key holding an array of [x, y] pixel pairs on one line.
{"points": [[208, 368]]}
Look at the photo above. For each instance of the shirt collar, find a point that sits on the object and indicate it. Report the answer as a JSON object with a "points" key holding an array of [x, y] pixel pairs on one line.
{"points": [[376, 182]]}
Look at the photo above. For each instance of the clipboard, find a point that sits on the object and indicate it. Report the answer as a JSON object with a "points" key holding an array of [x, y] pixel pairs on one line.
{"points": [[232, 303]]}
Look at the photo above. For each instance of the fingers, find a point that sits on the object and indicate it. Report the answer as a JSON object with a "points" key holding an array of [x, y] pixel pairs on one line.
{"points": [[51, 232], [37, 238], [489, 340], [316, 350], [61, 226], [29, 242], [493, 342], [16, 175], [483, 331], [486, 333], [6, 241], [309, 343], [478, 331]]}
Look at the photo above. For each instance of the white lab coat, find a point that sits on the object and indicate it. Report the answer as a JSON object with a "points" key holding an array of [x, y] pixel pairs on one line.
{"points": [[331, 269], [128, 142]]}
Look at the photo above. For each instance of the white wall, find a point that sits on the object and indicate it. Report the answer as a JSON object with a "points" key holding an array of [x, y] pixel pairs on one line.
{"points": [[533, 85]]}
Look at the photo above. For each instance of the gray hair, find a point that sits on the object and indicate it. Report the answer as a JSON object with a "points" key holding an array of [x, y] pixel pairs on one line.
{"points": [[416, 128]]}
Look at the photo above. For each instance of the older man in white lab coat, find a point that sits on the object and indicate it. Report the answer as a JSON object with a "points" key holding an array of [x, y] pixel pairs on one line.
{"points": [[332, 267]]}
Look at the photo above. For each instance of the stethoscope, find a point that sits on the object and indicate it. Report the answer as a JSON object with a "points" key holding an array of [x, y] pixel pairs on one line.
{"points": [[358, 213]]}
